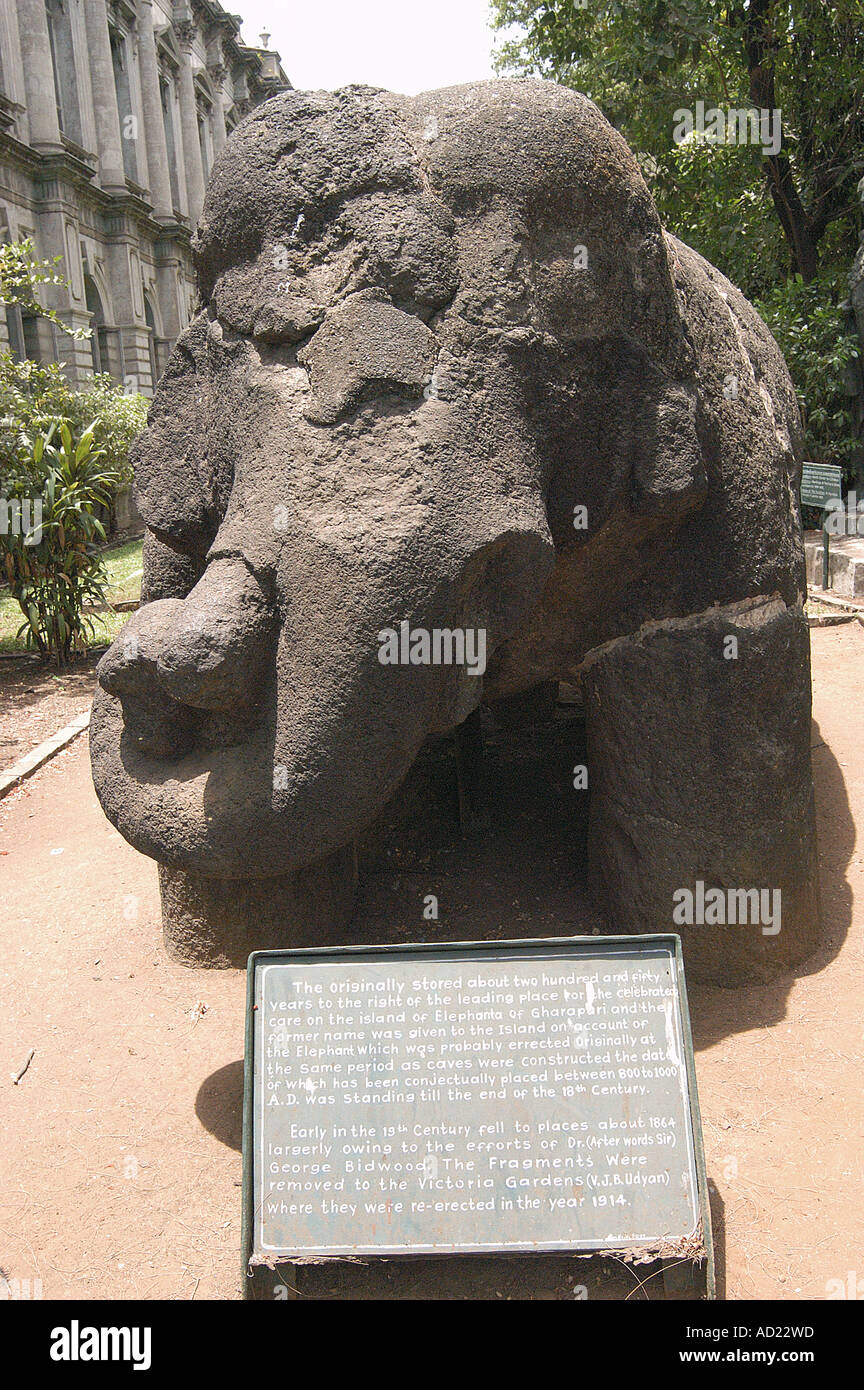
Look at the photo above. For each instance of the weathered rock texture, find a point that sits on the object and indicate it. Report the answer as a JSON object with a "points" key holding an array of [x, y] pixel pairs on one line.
{"points": [[701, 774], [433, 327]]}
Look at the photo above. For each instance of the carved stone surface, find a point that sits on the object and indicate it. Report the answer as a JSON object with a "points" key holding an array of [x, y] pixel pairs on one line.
{"points": [[451, 374]]}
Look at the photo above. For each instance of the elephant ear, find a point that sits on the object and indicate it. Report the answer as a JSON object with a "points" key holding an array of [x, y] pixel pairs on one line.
{"points": [[501, 583], [504, 578], [668, 475]]}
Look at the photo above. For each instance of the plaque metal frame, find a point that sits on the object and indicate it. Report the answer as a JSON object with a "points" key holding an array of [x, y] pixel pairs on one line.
{"points": [[683, 1278]]}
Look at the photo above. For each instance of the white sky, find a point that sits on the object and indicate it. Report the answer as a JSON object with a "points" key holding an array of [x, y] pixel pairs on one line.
{"points": [[404, 45]]}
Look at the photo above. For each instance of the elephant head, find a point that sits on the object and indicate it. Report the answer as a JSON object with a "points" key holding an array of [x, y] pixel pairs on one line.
{"points": [[434, 328], [452, 394]]}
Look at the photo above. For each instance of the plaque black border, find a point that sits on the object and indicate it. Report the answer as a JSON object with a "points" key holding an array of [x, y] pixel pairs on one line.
{"points": [[251, 1275]]}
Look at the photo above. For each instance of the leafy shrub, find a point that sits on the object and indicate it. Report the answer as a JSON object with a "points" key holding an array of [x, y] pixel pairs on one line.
{"points": [[714, 197], [118, 417], [54, 570], [808, 323], [35, 395]]}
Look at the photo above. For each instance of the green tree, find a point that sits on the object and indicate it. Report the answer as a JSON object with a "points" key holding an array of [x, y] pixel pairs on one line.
{"points": [[62, 454], [641, 60], [819, 352], [35, 395], [21, 273]]}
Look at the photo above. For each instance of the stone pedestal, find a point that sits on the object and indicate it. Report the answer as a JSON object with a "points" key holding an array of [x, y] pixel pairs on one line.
{"points": [[218, 922]]}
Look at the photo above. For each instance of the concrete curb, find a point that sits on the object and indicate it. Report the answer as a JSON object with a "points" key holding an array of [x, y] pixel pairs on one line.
{"points": [[827, 596], [846, 569], [846, 610], [831, 619], [43, 753]]}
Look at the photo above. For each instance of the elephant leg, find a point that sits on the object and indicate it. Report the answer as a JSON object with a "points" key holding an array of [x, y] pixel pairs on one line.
{"points": [[218, 922], [700, 780]]}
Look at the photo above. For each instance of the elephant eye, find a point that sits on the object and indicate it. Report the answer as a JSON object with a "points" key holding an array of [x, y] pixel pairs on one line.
{"points": [[365, 347]]}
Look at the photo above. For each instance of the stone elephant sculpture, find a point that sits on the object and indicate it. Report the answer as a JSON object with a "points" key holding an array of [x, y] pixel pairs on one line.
{"points": [[451, 377]]}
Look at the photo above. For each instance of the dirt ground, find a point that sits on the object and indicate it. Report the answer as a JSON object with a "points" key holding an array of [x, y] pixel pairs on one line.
{"points": [[36, 702], [120, 1164]]}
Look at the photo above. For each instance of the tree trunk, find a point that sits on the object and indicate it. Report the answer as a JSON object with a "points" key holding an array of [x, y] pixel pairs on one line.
{"points": [[761, 43]]}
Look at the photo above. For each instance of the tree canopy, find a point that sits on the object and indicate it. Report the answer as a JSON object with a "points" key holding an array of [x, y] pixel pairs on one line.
{"points": [[758, 214]]}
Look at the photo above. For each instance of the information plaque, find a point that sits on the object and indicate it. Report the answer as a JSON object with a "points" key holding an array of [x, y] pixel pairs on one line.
{"points": [[505, 1097], [821, 483]]}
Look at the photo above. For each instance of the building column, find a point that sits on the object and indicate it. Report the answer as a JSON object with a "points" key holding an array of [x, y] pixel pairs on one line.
{"points": [[13, 68], [40, 340], [220, 130], [111, 173], [192, 163], [38, 75], [151, 99]]}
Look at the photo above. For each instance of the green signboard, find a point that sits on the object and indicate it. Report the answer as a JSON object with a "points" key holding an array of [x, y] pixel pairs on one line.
{"points": [[820, 484], [489, 1097]]}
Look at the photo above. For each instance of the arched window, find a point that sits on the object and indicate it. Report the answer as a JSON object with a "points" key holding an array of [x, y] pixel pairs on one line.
{"points": [[167, 93], [97, 323], [150, 320]]}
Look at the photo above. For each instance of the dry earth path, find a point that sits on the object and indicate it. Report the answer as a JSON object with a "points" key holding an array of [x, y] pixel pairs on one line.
{"points": [[120, 1165]]}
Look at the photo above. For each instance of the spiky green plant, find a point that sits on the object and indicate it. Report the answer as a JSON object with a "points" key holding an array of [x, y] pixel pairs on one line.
{"points": [[54, 571]]}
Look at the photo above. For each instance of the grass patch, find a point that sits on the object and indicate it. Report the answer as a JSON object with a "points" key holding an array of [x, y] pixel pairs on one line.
{"points": [[123, 568]]}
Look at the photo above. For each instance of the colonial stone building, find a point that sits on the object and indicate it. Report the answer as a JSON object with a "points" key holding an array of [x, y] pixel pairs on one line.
{"points": [[111, 113]]}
